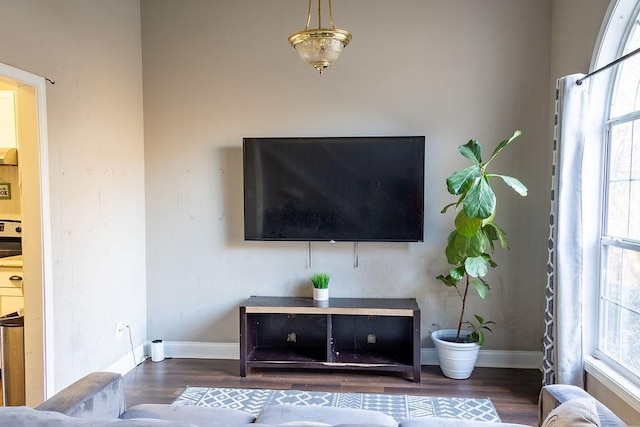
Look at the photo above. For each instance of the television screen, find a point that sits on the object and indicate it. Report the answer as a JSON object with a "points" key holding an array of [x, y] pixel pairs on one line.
{"points": [[334, 189]]}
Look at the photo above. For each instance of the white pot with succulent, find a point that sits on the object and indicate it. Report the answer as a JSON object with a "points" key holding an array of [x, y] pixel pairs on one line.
{"points": [[320, 286], [468, 251]]}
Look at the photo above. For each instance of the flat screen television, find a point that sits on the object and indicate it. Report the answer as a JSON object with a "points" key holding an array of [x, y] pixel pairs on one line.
{"points": [[360, 189]]}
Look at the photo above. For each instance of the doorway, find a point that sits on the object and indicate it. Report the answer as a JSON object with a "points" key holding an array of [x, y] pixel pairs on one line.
{"points": [[31, 129]]}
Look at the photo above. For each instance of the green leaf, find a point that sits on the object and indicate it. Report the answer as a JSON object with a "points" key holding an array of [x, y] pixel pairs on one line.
{"points": [[467, 226], [489, 260], [447, 280], [455, 250], [460, 181], [480, 201], [457, 273], [490, 235], [444, 210], [490, 231], [472, 151], [489, 239], [460, 247], [496, 231], [476, 245], [476, 266], [481, 286], [514, 183], [503, 144], [477, 333]]}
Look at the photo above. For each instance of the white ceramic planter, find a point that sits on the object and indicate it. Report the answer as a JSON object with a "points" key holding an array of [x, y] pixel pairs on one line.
{"points": [[321, 294], [457, 360]]}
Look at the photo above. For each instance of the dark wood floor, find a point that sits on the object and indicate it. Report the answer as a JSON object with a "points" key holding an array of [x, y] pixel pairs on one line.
{"points": [[514, 392]]}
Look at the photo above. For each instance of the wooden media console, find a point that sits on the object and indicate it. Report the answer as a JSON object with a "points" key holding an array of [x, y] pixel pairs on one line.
{"points": [[343, 333]]}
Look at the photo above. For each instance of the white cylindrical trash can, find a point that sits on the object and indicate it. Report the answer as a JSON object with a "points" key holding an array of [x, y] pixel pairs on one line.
{"points": [[157, 351]]}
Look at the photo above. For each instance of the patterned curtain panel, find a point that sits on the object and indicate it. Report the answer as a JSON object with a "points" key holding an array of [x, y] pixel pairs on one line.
{"points": [[563, 359]]}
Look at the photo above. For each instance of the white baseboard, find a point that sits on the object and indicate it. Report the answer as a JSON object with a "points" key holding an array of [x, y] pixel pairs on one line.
{"points": [[493, 359], [207, 350], [201, 350], [126, 363]]}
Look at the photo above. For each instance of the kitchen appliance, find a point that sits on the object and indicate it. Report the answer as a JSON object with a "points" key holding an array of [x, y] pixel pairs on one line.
{"points": [[12, 356], [10, 237], [11, 283], [11, 312]]}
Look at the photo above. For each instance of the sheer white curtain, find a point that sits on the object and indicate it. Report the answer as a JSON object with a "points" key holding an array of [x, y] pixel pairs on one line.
{"points": [[563, 316]]}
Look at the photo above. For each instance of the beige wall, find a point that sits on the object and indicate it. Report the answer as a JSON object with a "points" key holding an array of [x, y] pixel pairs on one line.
{"points": [[575, 29], [215, 72], [92, 49]]}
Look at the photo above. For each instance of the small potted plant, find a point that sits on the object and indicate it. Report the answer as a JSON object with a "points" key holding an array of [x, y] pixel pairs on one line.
{"points": [[468, 251], [320, 286]]}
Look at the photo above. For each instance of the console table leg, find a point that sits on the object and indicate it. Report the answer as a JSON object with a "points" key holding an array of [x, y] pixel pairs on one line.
{"points": [[243, 342], [416, 346]]}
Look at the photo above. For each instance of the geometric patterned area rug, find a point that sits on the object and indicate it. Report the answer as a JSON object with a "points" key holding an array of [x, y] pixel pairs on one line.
{"points": [[396, 405]]}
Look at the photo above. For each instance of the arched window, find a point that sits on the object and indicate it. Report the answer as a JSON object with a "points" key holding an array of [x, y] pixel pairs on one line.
{"points": [[619, 320], [616, 236]]}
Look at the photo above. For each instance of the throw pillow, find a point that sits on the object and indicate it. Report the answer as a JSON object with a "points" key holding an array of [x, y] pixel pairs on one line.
{"points": [[574, 413]]}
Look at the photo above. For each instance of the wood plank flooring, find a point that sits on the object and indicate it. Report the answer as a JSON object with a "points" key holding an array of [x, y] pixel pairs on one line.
{"points": [[514, 392]]}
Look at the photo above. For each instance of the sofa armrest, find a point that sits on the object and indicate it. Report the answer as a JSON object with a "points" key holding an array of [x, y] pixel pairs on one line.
{"points": [[552, 396], [98, 395]]}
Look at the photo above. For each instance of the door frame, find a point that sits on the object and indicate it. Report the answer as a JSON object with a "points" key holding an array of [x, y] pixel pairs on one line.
{"points": [[37, 248]]}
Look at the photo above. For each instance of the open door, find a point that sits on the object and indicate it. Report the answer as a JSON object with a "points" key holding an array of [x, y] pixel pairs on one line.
{"points": [[33, 183]]}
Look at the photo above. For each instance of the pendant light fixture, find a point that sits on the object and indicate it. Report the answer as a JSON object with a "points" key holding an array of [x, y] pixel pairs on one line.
{"points": [[320, 47]]}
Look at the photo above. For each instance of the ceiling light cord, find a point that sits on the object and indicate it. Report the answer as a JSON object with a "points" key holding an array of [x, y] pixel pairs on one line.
{"points": [[306, 27], [333, 26]]}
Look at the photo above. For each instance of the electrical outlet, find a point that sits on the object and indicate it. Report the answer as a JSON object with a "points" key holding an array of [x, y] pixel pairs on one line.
{"points": [[119, 330]]}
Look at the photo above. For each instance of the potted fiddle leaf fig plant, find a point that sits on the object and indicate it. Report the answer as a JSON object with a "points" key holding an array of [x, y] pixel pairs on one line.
{"points": [[468, 251]]}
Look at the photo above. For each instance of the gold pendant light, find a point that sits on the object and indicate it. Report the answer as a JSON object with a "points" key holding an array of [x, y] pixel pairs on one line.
{"points": [[320, 47]]}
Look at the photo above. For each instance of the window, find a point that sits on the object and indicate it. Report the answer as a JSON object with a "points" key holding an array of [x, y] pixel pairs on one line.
{"points": [[618, 341]]}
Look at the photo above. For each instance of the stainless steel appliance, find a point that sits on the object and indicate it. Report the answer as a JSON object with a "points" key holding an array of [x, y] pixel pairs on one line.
{"points": [[11, 283], [11, 321], [12, 338], [10, 237]]}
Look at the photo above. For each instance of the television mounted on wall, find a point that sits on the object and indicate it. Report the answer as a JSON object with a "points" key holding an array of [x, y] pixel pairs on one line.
{"points": [[352, 189]]}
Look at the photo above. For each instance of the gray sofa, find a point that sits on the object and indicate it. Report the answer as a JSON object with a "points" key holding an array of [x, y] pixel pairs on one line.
{"points": [[98, 400]]}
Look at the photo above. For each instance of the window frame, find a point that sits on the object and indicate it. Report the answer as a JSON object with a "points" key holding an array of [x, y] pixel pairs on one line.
{"points": [[613, 38], [606, 242]]}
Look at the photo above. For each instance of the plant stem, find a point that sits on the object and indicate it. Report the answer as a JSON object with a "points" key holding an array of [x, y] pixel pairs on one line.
{"points": [[464, 304]]}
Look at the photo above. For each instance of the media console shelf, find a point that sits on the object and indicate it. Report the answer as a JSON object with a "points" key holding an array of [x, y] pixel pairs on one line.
{"points": [[344, 333]]}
